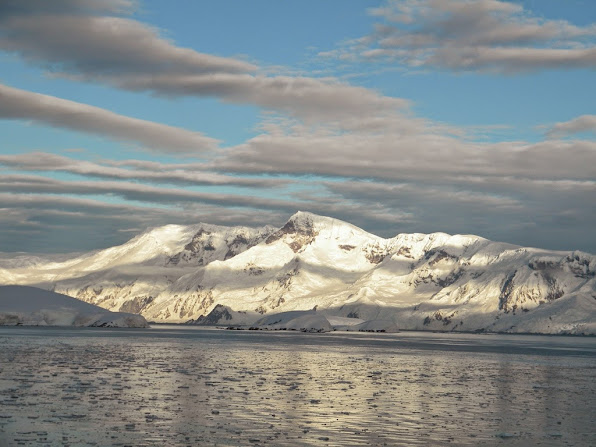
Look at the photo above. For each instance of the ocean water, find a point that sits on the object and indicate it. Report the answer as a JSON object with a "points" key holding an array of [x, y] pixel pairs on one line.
{"points": [[186, 386]]}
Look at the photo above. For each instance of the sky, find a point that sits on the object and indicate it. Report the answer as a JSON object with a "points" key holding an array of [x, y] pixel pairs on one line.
{"points": [[459, 116]]}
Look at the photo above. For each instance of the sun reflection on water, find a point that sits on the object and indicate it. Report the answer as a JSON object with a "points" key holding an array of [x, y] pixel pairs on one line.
{"points": [[288, 389]]}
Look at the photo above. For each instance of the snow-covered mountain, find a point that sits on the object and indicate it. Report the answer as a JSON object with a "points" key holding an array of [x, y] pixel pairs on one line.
{"points": [[239, 275], [30, 306]]}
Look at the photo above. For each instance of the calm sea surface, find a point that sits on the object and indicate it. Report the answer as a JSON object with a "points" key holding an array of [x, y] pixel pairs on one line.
{"points": [[184, 386]]}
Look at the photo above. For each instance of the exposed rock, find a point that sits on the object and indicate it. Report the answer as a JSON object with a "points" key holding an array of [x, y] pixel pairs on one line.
{"points": [[375, 253], [136, 305], [219, 314], [336, 268], [298, 234], [506, 291]]}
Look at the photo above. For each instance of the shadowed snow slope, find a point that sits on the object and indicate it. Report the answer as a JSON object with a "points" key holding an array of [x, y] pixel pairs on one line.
{"points": [[220, 275], [30, 306]]}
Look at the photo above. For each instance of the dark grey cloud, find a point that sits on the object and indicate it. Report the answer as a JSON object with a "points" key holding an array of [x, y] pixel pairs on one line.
{"points": [[181, 174], [29, 195], [41, 223], [57, 112], [483, 35], [531, 212], [525, 212]]}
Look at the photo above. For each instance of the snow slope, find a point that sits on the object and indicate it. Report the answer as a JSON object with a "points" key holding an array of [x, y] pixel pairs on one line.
{"points": [[312, 321], [239, 275], [30, 306]]}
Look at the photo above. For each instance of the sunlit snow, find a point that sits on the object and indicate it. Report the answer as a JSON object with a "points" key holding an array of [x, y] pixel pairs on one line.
{"points": [[415, 281]]}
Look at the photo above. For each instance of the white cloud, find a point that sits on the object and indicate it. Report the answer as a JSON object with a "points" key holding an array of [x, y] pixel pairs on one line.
{"points": [[479, 35]]}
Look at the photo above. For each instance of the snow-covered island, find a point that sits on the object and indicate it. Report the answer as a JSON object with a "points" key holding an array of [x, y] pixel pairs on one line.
{"points": [[30, 306], [239, 276], [306, 321]]}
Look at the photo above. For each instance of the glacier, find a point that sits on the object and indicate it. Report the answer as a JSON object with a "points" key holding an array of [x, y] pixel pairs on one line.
{"points": [[208, 274]]}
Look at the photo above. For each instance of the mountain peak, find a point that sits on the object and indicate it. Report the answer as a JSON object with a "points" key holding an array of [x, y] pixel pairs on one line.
{"points": [[421, 281], [309, 222], [299, 229], [305, 218]]}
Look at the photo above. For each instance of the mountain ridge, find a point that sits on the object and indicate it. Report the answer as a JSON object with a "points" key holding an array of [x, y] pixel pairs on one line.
{"points": [[431, 281]]}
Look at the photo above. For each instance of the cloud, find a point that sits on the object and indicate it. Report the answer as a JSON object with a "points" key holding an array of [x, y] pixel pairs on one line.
{"points": [[181, 174], [70, 36], [497, 207], [38, 7], [394, 154], [305, 98], [513, 60], [99, 45], [421, 179], [403, 195], [61, 113], [26, 191], [164, 196], [483, 35], [584, 123], [136, 192], [384, 168], [41, 223], [546, 214]]}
